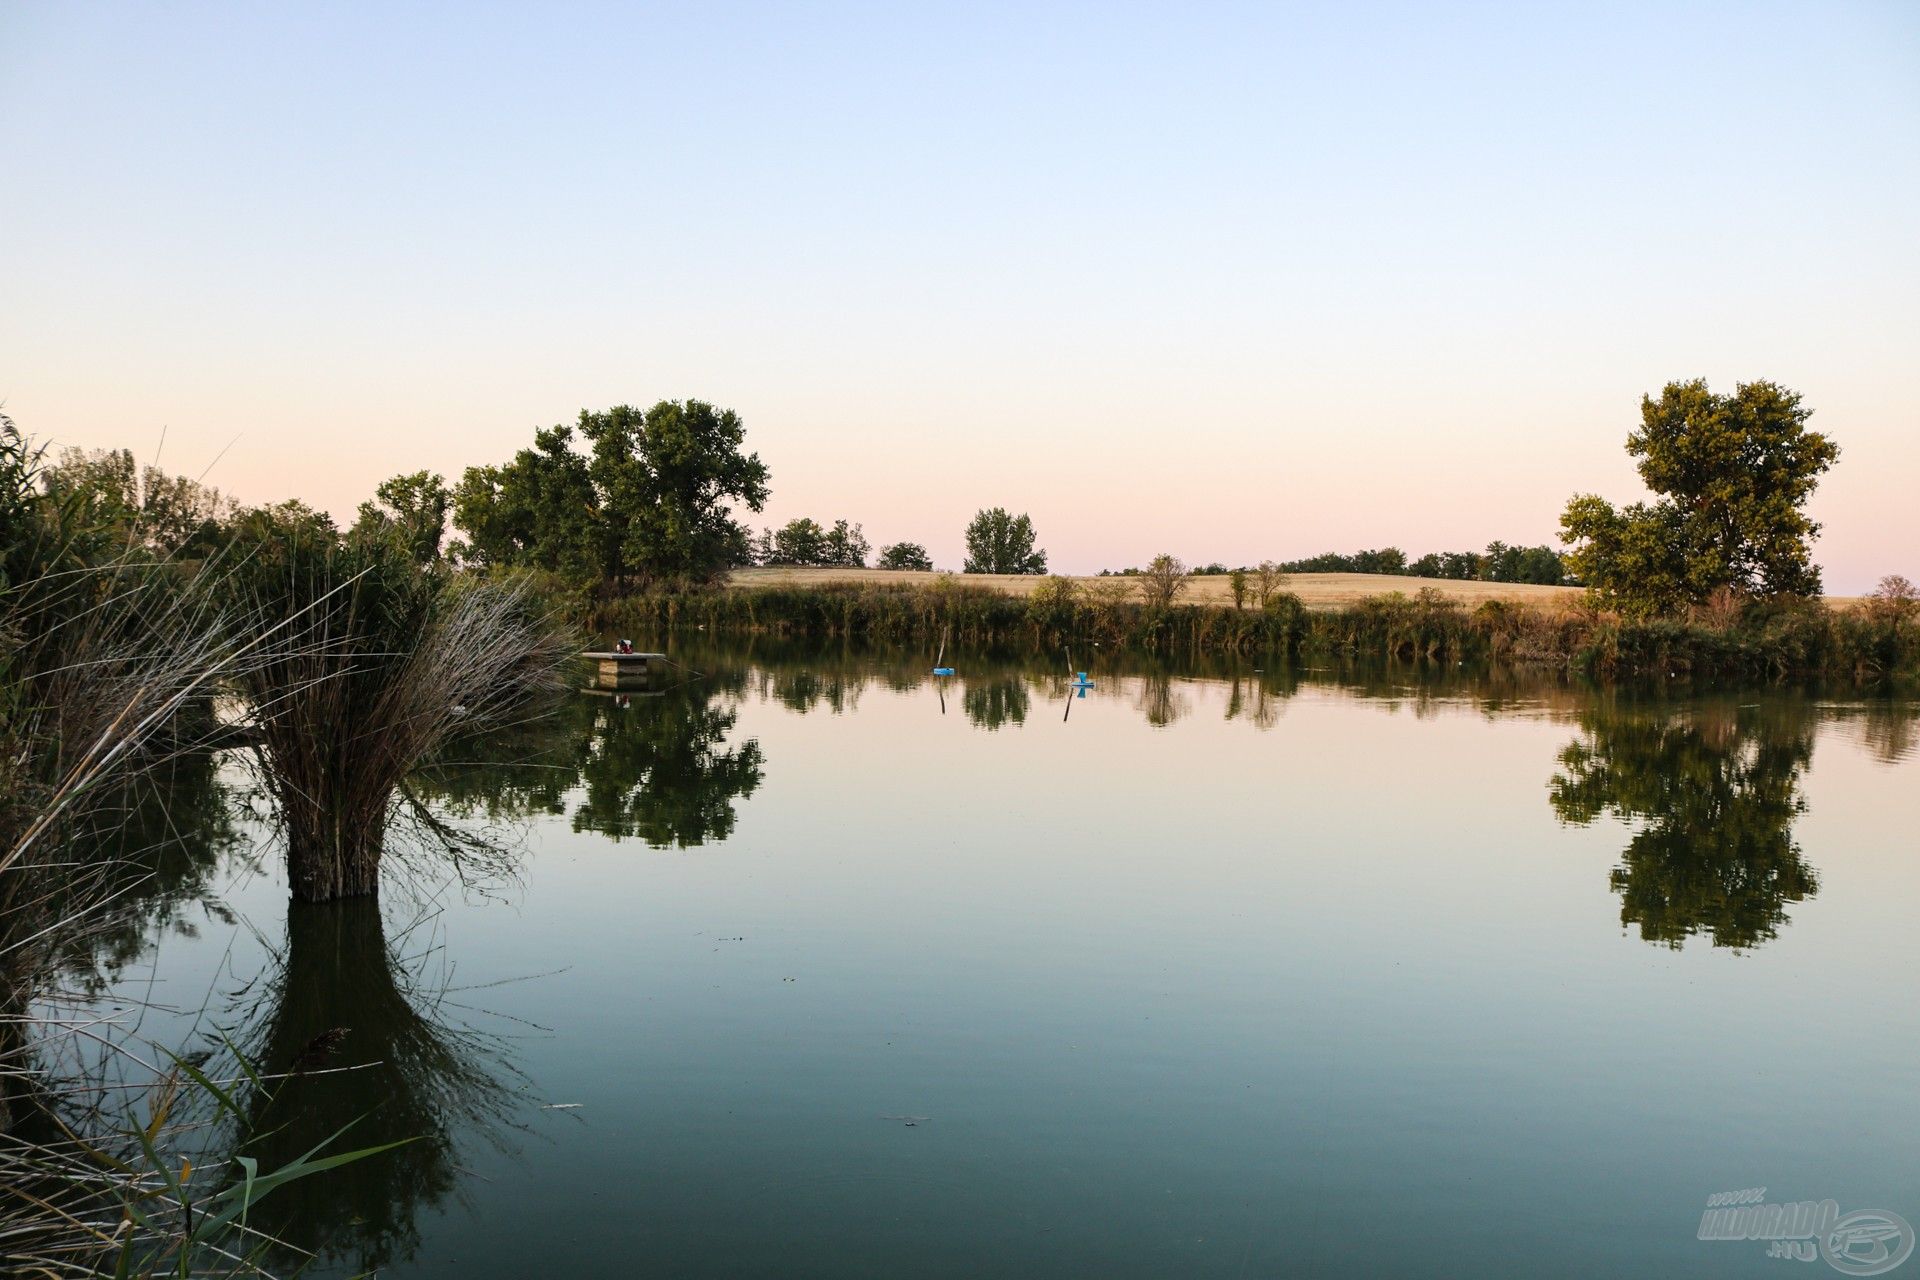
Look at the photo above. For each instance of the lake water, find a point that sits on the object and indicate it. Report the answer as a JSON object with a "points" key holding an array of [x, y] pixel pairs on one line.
{"points": [[816, 966]]}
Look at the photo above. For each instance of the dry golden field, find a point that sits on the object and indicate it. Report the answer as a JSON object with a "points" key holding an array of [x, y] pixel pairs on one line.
{"points": [[1317, 590]]}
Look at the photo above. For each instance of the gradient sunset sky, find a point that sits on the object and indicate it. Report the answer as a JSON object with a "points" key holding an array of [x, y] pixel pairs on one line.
{"points": [[1227, 281]]}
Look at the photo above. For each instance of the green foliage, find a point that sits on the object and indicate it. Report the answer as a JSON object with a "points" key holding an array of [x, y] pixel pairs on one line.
{"points": [[138, 506], [1498, 563], [1053, 605], [649, 501], [665, 478], [1733, 474], [1385, 560], [1000, 542], [1239, 584], [1503, 563], [411, 509], [539, 511], [176, 1224], [904, 555], [1457, 566]]}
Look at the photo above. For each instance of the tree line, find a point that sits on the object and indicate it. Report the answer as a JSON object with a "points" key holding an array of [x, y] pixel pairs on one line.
{"points": [[632, 497], [997, 542], [1498, 563]]}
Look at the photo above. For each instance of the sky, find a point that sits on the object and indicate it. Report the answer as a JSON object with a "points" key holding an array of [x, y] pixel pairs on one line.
{"points": [[1231, 282]]}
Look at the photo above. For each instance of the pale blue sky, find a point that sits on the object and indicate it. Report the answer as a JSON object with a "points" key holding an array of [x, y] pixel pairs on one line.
{"points": [[1230, 281]]}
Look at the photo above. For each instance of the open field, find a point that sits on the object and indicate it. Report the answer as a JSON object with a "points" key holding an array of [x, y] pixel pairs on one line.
{"points": [[1316, 590]]}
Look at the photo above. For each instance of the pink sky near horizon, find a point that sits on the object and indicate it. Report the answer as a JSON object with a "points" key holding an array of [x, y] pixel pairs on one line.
{"points": [[1119, 275]]}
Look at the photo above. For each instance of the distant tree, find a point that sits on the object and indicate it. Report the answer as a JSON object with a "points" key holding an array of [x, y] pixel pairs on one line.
{"points": [[411, 508], [800, 541], [846, 546], [650, 500], [804, 541], [1237, 583], [999, 542], [1542, 565], [1267, 581], [1164, 578], [1385, 560], [1896, 601], [1733, 474], [905, 555], [1500, 563]]}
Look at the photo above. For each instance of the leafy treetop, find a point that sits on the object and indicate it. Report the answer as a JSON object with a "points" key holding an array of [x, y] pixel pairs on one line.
{"points": [[1733, 474]]}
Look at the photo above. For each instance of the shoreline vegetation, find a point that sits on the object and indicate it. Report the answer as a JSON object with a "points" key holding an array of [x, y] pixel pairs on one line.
{"points": [[1866, 642]]}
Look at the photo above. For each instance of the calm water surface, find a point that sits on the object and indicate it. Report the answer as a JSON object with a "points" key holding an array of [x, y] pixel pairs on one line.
{"points": [[815, 966]]}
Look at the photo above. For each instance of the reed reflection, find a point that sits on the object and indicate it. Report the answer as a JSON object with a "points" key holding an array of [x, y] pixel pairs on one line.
{"points": [[346, 1027]]}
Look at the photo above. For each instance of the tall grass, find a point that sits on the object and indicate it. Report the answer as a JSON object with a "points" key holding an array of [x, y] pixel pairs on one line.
{"points": [[107, 663], [110, 661]]}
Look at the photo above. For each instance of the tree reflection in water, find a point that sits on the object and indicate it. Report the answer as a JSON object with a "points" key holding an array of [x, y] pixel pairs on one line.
{"points": [[655, 766], [996, 700], [369, 1041], [1716, 791]]}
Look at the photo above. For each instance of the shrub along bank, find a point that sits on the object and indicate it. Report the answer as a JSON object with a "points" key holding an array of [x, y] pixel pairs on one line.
{"points": [[1770, 640]]}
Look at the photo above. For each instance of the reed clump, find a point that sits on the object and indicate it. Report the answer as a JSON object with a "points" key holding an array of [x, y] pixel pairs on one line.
{"points": [[368, 662]]}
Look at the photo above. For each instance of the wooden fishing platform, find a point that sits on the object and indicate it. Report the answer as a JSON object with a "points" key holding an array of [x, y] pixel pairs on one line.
{"points": [[615, 669]]}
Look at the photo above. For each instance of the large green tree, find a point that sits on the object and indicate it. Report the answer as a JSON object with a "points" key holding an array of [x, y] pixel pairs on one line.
{"points": [[1001, 542], [1733, 474], [641, 496]]}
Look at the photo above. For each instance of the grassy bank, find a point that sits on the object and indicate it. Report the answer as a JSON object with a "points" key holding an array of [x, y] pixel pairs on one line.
{"points": [[1765, 641]]}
